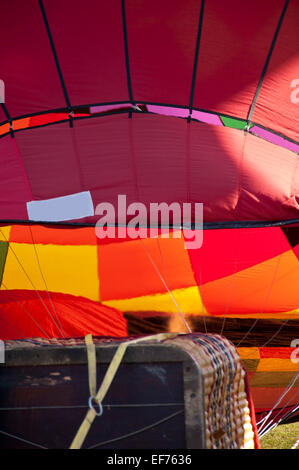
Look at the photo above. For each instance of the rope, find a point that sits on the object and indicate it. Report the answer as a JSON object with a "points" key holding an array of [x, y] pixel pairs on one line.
{"points": [[238, 209], [266, 301], [286, 406], [166, 274], [74, 407], [270, 426], [22, 440], [43, 277], [165, 285], [139, 431], [265, 426], [26, 311], [290, 413], [26, 274], [295, 445]]}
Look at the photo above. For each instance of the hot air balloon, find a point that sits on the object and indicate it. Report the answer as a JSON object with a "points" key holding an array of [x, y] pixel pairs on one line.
{"points": [[172, 103]]}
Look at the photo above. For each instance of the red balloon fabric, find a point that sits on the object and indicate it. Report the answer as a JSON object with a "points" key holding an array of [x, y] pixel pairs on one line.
{"points": [[34, 314]]}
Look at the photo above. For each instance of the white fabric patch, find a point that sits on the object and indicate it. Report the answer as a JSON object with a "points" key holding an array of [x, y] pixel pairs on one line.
{"points": [[73, 206]]}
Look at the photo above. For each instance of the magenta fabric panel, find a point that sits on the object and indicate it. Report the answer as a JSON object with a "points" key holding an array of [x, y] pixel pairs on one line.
{"points": [[214, 170], [240, 176], [236, 38], [275, 107], [269, 181], [50, 161], [239, 249], [154, 158], [88, 37], [142, 158], [159, 156], [104, 147], [27, 65], [168, 111], [14, 189], [161, 41]]}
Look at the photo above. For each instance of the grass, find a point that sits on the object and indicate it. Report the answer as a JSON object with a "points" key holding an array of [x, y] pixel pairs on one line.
{"points": [[282, 437]]}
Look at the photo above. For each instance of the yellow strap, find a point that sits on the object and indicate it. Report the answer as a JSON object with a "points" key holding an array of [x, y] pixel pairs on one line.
{"points": [[92, 365], [109, 376]]}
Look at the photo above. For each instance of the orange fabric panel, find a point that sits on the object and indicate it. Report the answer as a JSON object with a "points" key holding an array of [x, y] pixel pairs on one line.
{"points": [[277, 365], [266, 287], [126, 271], [55, 236]]}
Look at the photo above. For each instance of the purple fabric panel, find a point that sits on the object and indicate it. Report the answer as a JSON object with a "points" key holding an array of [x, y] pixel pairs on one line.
{"points": [[168, 111], [274, 138], [209, 118]]}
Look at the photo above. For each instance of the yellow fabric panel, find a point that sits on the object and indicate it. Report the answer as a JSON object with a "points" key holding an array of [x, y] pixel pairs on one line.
{"points": [[276, 364], [67, 269], [5, 233], [249, 353], [291, 314], [188, 300]]}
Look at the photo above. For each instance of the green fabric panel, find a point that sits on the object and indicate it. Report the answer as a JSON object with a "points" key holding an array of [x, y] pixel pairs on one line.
{"points": [[234, 123], [3, 254]]}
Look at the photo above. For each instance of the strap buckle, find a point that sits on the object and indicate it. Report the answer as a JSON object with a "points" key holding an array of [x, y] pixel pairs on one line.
{"points": [[91, 406]]}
